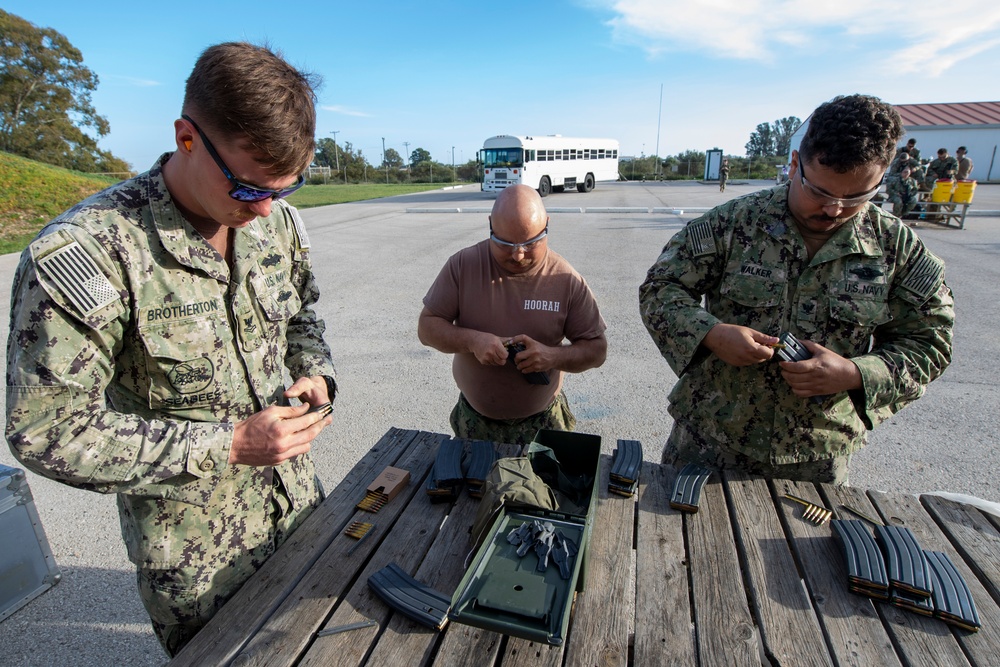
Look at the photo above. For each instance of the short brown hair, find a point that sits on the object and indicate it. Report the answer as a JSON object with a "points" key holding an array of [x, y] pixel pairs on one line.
{"points": [[249, 93]]}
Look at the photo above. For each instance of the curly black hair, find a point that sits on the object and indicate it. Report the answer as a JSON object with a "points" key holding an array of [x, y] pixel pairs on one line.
{"points": [[850, 131]]}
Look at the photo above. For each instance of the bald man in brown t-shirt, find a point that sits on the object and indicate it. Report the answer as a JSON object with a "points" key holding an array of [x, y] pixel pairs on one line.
{"points": [[508, 290]]}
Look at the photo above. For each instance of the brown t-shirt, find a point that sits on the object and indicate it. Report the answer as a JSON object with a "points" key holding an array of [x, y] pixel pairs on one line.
{"points": [[550, 303]]}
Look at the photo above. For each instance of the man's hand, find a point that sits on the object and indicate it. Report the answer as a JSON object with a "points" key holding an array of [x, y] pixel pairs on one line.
{"points": [[738, 345], [535, 357], [278, 433], [826, 373], [311, 390], [488, 348]]}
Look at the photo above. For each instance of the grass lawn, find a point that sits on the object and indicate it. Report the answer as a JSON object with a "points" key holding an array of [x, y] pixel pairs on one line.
{"points": [[32, 193]]}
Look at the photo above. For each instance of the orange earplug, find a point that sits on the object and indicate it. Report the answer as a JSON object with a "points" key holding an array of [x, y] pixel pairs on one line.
{"points": [[187, 144]]}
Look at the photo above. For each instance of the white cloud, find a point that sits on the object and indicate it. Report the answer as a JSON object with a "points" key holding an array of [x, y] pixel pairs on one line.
{"points": [[344, 111], [135, 81], [905, 35]]}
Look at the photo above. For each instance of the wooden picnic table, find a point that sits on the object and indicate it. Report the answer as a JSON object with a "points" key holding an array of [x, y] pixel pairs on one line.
{"points": [[744, 581]]}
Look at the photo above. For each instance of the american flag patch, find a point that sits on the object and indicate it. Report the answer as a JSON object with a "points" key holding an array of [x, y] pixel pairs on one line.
{"points": [[925, 276], [700, 240], [78, 278]]}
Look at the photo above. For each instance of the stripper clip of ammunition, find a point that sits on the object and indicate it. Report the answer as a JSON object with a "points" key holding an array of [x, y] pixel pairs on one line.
{"points": [[373, 501], [813, 513]]}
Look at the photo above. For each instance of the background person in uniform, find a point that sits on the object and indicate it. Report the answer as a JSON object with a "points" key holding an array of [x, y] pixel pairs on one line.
{"points": [[814, 258], [160, 378], [911, 148], [723, 175], [903, 194], [943, 167], [511, 289], [964, 164]]}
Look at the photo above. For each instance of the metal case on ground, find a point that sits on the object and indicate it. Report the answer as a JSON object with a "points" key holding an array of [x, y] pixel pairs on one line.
{"points": [[27, 568], [505, 593]]}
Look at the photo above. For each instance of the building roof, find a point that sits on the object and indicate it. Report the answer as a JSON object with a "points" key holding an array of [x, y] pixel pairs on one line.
{"points": [[953, 113]]}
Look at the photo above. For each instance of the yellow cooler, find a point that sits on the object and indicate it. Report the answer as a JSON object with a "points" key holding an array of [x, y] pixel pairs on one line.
{"points": [[942, 190], [964, 191]]}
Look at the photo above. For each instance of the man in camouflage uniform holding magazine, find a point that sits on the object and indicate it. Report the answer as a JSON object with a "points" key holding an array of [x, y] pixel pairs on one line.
{"points": [[814, 258], [151, 327]]}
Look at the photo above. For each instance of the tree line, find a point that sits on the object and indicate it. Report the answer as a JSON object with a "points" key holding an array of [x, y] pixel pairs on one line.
{"points": [[347, 164]]}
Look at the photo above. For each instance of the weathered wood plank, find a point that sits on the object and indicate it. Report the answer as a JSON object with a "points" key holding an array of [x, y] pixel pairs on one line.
{"points": [[787, 621], [981, 647], [223, 637], [973, 535], [726, 633], [854, 632], [604, 611], [403, 532], [523, 653], [919, 640], [664, 632]]}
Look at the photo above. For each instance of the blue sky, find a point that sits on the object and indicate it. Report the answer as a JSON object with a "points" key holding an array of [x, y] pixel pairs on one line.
{"points": [[444, 76]]}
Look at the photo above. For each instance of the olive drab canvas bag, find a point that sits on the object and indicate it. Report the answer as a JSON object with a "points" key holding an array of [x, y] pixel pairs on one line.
{"points": [[511, 484]]}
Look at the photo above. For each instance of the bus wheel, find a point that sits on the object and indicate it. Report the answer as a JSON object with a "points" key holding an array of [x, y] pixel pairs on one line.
{"points": [[587, 185], [544, 187]]}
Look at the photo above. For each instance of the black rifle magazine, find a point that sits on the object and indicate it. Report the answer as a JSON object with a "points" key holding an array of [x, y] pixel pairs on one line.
{"points": [[905, 562], [866, 573], [535, 377], [625, 465], [953, 601], [687, 487], [409, 597]]}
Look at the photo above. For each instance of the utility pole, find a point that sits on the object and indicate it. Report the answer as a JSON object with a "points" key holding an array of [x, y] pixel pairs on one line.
{"points": [[406, 147], [454, 176], [385, 162], [336, 152], [658, 116]]}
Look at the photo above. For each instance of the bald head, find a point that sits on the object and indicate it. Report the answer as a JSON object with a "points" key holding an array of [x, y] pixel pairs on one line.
{"points": [[518, 214]]}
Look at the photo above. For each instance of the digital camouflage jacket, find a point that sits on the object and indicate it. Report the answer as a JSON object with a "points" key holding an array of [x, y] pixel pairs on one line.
{"points": [[873, 293], [133, 351]]}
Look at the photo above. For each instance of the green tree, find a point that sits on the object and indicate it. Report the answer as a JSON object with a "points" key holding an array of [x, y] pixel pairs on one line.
{"points": [[45, 99], [392, 159], [419, 155], [761, 141], [782, 130]]}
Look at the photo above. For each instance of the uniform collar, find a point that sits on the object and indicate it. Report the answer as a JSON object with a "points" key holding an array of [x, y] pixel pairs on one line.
{"points": [[183, 241]]}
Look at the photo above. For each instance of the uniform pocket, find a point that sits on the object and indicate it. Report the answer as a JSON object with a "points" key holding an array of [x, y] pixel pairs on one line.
{"points": [[187, 364]]}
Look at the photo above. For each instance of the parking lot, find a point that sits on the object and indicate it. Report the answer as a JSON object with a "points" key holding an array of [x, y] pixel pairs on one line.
{"points": [[376, 259]]}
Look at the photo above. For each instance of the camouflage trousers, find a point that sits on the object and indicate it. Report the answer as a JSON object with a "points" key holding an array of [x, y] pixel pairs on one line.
{"points": [[684, 445], [180, 601], [466, 422]]}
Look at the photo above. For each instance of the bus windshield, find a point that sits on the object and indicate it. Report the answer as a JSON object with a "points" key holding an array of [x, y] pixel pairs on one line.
{"points": [[502, 157]]}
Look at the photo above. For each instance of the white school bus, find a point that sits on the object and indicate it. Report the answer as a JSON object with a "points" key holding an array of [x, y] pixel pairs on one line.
{"points": [[548, 163]]}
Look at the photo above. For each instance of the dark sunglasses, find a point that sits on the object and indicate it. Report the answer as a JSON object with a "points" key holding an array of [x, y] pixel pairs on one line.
{"points": [[244, 191]]}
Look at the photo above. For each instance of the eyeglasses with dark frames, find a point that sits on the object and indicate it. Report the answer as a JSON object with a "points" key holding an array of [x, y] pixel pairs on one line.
{"points": [[241, 191]]}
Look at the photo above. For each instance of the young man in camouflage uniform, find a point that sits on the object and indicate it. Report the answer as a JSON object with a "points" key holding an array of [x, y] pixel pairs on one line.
{"points": [[904, 193], [943, 167], [814, 258], [151, 325], [507, 290]]}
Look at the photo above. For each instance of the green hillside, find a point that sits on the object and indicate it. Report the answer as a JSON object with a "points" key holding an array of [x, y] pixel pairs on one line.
{"points": [[32, 193]]}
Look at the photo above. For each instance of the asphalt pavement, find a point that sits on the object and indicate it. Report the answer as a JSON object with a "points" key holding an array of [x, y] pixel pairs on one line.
{"points": [[376, 259]]}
